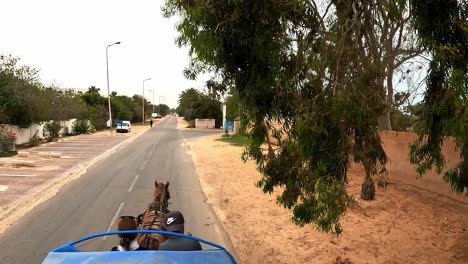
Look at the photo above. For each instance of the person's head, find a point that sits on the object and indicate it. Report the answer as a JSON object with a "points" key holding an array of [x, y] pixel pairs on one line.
{"points": [[127, 223], [174, 222]]}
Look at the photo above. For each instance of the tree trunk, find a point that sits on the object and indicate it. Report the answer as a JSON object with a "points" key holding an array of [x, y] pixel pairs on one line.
{"points": [[385, 121], [368, 187]]}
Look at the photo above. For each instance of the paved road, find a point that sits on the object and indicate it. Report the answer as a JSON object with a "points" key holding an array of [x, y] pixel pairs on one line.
{"points": [[122, 184]]}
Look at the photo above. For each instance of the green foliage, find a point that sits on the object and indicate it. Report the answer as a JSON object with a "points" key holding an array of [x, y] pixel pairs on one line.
{"points": [[194, 104], [237, 140], [7, 139], [163, 109], [443, 28], [81, 126], [9, 153], [232, 107], [401, 121], [24, 100], [285, 64], [51, 130]]}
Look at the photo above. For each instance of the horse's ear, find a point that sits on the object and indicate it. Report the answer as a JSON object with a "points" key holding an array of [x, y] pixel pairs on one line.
{"points": [[167, 185], [156, 183]]}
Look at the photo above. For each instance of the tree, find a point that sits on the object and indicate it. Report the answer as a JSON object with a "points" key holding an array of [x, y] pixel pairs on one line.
{"points": [[24, 100], [232, 102], [187, 99], [195, 104], [262, 50], [443, 28], [163, 109], [393, 44], [321, 73]]}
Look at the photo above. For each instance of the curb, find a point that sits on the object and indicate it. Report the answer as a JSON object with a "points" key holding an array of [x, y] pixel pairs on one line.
{"points": [[48, 190]]}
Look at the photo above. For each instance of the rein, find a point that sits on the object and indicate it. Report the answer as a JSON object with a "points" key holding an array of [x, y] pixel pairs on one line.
{"points": [[161, 204]]}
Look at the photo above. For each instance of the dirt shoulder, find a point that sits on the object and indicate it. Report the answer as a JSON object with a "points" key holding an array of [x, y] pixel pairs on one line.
{"points": [[412, 221]]}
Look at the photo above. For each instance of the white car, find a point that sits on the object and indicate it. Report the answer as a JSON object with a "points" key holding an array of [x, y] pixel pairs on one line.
{"points": [[124, 126]]}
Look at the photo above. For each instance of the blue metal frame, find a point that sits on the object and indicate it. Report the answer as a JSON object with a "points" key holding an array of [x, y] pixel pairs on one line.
{"points": [[70, 248]]}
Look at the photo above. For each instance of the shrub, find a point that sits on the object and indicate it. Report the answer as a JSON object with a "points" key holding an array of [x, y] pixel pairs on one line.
{"points": [[51, 131], [191, 124], [82, 126], [7, 140], [35, 140]]}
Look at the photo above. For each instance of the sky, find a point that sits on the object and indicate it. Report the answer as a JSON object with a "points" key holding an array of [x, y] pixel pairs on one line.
{"points": [[66, 41]]}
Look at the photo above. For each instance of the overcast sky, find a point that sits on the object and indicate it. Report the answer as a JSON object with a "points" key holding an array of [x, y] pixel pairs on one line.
{"points": [[66, 40]]}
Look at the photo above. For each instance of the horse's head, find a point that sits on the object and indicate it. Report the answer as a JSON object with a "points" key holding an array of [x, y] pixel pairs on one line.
{"points": [[161, 192]]}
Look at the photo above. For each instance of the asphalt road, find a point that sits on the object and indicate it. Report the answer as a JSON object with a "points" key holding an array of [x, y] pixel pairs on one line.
{"points": [[122, 184]]}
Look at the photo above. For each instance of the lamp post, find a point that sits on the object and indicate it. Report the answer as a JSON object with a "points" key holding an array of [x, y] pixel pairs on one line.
{"points": [[108, 90], [153, 99], [143, 99]]}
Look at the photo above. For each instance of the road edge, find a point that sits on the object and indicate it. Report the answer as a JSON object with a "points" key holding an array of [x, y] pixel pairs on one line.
{"points": [[187, 144]]}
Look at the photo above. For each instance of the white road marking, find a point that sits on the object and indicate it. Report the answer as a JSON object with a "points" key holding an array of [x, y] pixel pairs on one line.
{"points": [[18, 175], [133, 183], [149, 156], [3, 188], [144, 164], [113, 219]]}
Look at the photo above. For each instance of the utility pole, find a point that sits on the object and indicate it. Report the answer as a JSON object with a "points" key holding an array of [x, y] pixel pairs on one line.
{"points": [[108, 90], [143, 101]]}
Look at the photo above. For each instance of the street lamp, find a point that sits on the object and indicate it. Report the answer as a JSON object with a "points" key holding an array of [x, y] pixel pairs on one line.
{"points": [[153, 98], [108, 90], [143, 103]]}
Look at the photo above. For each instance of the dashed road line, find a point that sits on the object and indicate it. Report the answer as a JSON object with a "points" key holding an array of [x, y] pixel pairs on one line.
{"points": [[133, 183], [113, 219], [3, 188]]}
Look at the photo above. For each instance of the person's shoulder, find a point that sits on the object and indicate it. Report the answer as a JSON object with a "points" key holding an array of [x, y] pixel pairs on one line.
{"points": [[194, 244]]}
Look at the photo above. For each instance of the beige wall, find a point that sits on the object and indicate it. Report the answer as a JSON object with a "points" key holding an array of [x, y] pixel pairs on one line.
{"points": [[204, 123]]}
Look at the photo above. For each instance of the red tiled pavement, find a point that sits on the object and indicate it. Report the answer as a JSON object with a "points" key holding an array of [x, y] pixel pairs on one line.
{"points": [[18, 183]]}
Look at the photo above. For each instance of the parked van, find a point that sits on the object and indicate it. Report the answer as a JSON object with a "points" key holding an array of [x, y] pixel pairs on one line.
{"points": [[124, 127]]}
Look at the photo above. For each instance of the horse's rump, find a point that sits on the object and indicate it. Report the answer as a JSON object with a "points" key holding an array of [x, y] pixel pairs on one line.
{"points": [[152, 220]]}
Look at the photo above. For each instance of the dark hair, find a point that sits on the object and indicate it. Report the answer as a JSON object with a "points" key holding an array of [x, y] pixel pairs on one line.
{"points": [[127, 223]]}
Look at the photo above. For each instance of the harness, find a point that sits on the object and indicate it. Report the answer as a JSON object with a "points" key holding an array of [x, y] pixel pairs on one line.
{"points": [[147, 241]]}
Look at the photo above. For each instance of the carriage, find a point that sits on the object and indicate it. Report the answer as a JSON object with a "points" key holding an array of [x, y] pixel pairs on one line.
{"points": [[150, 235], [69, 254]]}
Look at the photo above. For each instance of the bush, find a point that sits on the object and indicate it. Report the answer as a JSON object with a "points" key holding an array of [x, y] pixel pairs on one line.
{"points": [[191, 124], [35, 140], [7, 140], [82, 126], [51, 131]]}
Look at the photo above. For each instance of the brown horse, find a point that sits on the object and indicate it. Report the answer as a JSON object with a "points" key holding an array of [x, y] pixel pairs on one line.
{"points": [[153, 217]]}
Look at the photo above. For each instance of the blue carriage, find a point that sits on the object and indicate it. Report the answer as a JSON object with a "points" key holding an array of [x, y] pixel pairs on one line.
{"points": [[69, 254]]}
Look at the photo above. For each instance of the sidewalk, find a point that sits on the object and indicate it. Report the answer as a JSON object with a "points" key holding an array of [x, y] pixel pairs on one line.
{"points": [[24, 187]]}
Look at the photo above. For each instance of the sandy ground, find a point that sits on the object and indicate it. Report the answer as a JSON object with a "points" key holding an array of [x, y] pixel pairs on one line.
{"points": [[181, 123], [412, 221]]}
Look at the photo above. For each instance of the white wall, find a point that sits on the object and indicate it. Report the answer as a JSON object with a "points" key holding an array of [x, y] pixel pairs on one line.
{"points": [[24, 134]]}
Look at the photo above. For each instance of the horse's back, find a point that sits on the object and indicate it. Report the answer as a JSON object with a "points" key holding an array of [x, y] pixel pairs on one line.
{"points": [[152, 221]]}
